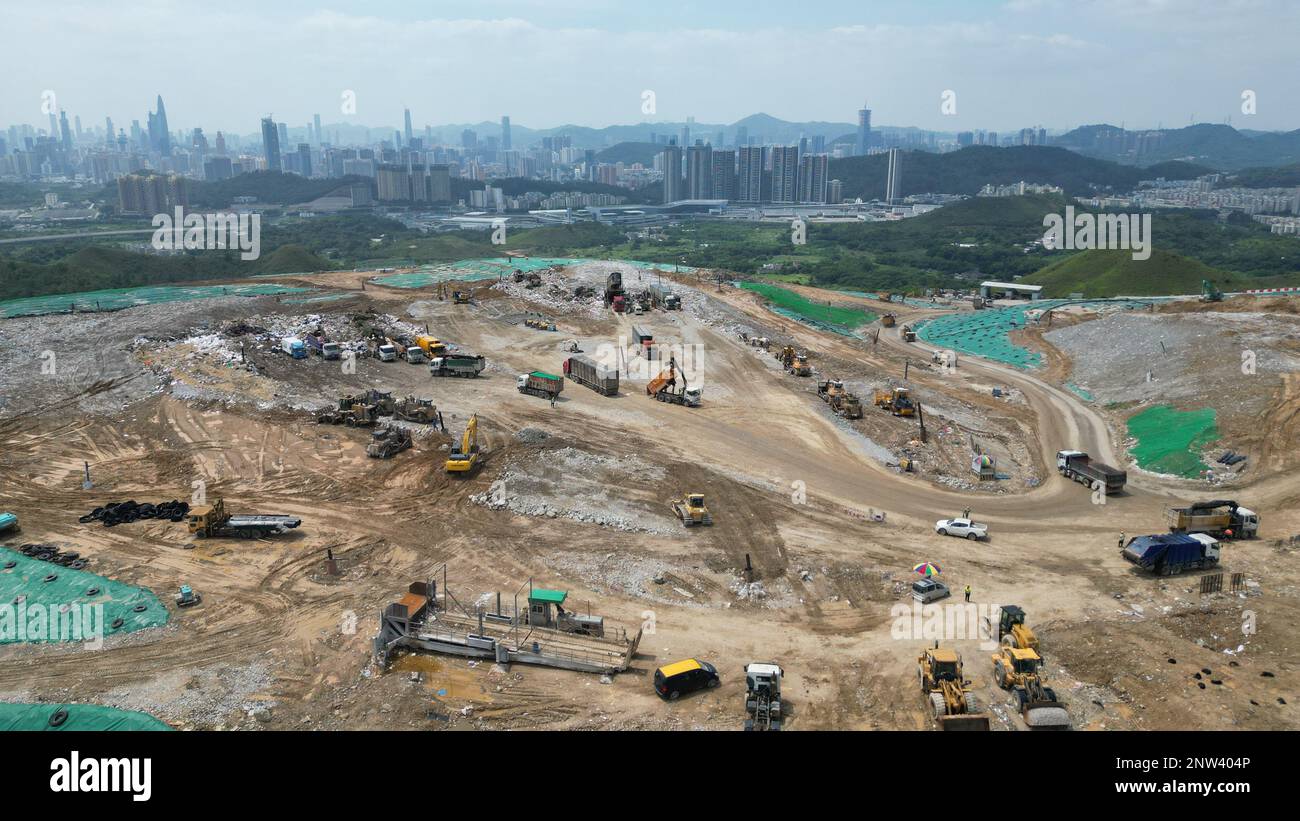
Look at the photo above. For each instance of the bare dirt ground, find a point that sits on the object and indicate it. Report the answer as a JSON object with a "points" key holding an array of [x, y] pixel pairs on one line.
{"points": [[574, 497]]}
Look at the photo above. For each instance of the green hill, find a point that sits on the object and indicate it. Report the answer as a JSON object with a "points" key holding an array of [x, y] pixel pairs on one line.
{"points": [[968, 170], [1116, 273], [292, 259], [1218, 146]]}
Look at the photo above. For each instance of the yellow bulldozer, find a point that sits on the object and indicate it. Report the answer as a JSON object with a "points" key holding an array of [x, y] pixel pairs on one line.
{"points": [[1012, 630], [952, 705], [1018, 669], [889, 320], [897, 401], [465, 458], [691, 510]]}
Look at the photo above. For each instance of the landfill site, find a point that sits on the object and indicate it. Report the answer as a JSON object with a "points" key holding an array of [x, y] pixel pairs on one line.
{"points": [[567, 494]]}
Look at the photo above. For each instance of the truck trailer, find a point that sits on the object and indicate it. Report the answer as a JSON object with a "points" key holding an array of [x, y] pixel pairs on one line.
{"points": [[457, 365], [213, 521], [1075, 464], [1169, 553], [294, 346], [1223, 518], [540, 383], [586, 371]]}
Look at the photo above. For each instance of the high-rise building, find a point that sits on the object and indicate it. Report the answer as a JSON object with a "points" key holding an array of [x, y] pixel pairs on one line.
{"points": [[505, 133], [812, 178], [672, 165], [724, 174], [864, 130], [65, 133], [271, 144], [835, 192], [749, 177], [304, 159], [218, 168], [699, 172], [742, 136], [320, 137], [785, 173], [282, 129], [151, 193], [159, 137], [468, 140], [892, 180], [407, 133]]}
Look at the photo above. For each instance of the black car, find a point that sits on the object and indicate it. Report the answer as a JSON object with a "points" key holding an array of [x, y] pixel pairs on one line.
{"points": [[686, 676]]}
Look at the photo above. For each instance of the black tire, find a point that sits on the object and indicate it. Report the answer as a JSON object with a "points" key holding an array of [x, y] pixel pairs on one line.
{"points": [[674, 695], [972, 535], [943, 531], [58, 717]]}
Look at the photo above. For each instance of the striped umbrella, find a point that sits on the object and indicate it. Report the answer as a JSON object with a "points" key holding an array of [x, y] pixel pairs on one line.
{"points": [[927, 569]]}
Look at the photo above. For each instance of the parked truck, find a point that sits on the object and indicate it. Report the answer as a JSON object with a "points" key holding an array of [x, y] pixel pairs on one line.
{"points": [[586, 371], [540, 383], [294, 346], [457, 365], [213, 521], [1169, 553], [615, 297], [431, 345], [1222, 518], [1076, 465]]}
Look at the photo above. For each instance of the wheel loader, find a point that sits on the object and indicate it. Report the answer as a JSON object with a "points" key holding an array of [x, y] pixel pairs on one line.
{"points": [[952, 705], [691, 510], [1012, 630], [1017, 669]]}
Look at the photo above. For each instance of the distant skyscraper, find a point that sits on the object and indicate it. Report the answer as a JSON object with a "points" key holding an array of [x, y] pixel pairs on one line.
{"points": [[304, 159], [221, 144], [785, 173], [892, 179], [699, 172], [749, 177], [271, 144], [724, 174], [159, 137], [65, 133], [505, 133], [320, 137], [864, 130], [282, 129], [407, 134], [108, 131], [742, 136], [812, 178], [835, 192], [672, 164]]}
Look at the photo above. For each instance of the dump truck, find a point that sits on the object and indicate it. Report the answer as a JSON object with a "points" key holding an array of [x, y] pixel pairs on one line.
{"points": [[895, 400], [294, 346], [1168, 553], [908, 334], [670, 386], [411, 409], [432, 346], [1019, 669], [212, 521], [889, 320], [8, 522], [586, 371], [385, 352], [664, 298], [691, 510], [457, 365], [1011, 628], [465, 456], [615, 297], [414, 355], [387, 442], [540, 383], [1076, 465], [952, 705], [1222, 518], [763, 695]]}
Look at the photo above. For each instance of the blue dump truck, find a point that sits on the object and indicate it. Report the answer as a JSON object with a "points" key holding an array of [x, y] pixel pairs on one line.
{"points": [[1170, 553], [8, 522]]}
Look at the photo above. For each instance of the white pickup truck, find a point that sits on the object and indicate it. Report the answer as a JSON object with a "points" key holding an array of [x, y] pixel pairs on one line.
{"points": [[961, 527]]}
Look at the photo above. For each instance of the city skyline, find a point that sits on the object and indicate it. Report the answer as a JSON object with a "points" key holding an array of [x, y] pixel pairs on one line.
{"points": [[1160, 63]]}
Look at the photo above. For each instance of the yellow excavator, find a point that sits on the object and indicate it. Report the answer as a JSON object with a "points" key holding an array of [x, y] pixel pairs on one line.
{"points": [[1012, 630], [465, 458], [1018, 669], [952, 704]]}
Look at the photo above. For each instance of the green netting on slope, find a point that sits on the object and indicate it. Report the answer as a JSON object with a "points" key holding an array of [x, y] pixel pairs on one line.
{"points": [[1170, 441], [64, 609], [840, 319], [1082, 393], [85, 717], [119, 298]]}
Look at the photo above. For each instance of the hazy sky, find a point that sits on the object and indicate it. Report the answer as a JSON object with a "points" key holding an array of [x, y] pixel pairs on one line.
{"points": [[1056, 63]]}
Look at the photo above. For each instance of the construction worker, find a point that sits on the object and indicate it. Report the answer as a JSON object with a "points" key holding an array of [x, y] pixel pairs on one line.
{"points": [[1121, 540], [965, 514], [968, 592]]}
